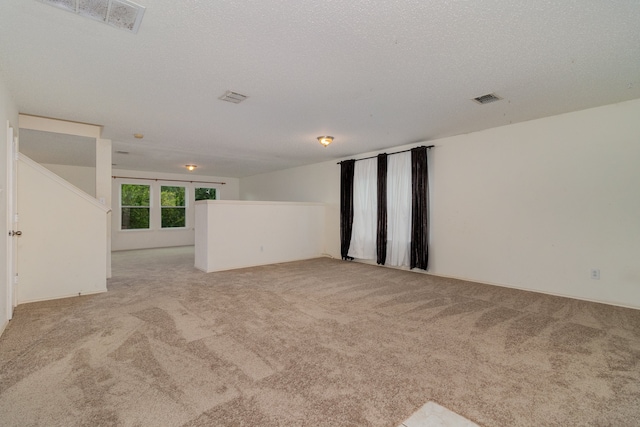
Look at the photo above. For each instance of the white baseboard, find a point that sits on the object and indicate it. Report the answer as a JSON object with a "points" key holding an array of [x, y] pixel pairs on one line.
{"points": [[63, 296]]}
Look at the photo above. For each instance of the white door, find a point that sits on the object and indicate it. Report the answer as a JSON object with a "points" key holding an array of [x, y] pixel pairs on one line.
{"points": [[12, 219]]}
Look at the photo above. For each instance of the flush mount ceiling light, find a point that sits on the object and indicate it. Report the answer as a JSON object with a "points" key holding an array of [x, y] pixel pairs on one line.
{"points": [[122, 14], [325, 140], [138, 135], [190, 167]]}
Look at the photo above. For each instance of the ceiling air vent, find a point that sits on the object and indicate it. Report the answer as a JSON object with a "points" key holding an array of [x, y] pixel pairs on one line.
{"points": [[122, 14], [234, 97], [485, 99]]}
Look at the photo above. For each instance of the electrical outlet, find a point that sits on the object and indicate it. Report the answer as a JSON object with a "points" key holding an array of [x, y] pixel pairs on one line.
{"points": [[595, 273]]}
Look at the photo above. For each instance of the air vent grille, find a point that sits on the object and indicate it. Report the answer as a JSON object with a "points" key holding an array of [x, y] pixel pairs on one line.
{"points": [[234, 97], [485, 99], [122, 14]]}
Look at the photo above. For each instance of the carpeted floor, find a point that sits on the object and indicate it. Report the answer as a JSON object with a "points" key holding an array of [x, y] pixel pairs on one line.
{"points": [[313, 343]]}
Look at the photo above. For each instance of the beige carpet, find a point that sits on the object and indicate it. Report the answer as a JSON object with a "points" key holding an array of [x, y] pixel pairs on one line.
{"points": [[313, 343]]}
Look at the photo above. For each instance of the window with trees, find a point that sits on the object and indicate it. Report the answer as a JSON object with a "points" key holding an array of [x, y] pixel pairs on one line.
{"points": [[173, 206], [135, 204], [205, 194]]}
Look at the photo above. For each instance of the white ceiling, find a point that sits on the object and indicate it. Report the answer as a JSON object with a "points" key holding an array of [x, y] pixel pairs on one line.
{"points": [[374, 74]]}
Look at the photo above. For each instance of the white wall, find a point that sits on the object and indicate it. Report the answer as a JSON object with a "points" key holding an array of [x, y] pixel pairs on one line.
{"points": [[8, 112], [318, 183], [63, 247], [237, 234], [533, 205], [82, 177], [155, 237]]}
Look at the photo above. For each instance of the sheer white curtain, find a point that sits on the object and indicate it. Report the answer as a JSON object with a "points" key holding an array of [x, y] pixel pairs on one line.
{"points": [[398, 209], [365, 199]]}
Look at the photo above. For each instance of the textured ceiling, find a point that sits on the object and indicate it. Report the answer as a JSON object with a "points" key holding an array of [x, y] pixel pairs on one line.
{"points": [[373, 74]]}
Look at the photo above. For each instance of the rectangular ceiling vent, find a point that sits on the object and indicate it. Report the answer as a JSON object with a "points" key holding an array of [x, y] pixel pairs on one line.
{"points": [[122, 14], [485, 99], [234, 97]]}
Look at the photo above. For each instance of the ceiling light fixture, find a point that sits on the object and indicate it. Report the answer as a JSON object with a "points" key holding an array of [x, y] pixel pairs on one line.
{"points": [[138, 135], [325, 140], [190, 167]]}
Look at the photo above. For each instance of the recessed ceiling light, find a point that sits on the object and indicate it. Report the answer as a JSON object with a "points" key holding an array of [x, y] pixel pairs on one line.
{"points": [[190, 167], [138, 135]]}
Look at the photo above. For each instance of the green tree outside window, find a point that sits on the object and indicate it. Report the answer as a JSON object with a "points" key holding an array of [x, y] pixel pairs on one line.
{"points": [[205, 194], [134, 200], [173, 206]]}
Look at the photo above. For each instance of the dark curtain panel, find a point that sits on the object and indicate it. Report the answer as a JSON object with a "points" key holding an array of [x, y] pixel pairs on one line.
{"points": [[419, 209], [381, 235], [346, 206]]}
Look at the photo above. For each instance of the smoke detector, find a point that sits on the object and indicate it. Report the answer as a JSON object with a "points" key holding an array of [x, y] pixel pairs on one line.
{"points": [[122, 14], [485, 99]]}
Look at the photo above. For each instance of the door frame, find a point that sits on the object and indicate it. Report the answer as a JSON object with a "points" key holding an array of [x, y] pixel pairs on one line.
{"points": [[12, 219]]}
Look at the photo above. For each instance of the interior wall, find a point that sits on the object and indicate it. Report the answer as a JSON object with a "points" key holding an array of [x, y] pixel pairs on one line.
{"points": [[317, 183], [8, 113], [534, 205], [155, 237], [63, 247], [81, 176], [238, 234]]}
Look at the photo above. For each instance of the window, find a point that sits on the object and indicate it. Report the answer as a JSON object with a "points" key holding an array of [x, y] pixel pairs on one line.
{"points": [[173, 207], [134, 200], [205, 194]]}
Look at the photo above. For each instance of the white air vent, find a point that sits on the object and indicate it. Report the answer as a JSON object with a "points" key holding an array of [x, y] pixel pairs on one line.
{"points": [[122, 14], [485, 99], [234, 97]]}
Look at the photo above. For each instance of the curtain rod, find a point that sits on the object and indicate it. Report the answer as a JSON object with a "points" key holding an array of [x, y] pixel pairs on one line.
{"points": [[390, 154], [173, 180]]}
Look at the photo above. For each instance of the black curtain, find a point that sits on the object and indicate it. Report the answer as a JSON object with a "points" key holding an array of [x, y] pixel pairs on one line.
{"points": [[381, 234], [419, 209], [346, 206]]}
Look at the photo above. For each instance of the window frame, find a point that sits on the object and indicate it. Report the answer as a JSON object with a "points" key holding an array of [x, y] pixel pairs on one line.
{"points": [[196, 188], [148, 207], [184, 208]]}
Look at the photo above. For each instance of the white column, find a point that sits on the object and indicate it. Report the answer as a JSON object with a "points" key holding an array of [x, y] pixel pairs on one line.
{"points": [[103, 187]]}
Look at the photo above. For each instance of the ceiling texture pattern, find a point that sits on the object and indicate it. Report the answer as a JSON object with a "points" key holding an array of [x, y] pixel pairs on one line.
{"points": [[374, 74]]}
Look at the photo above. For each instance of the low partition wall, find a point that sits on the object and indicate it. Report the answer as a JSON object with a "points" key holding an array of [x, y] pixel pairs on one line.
{"points": [[235, 234]]}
